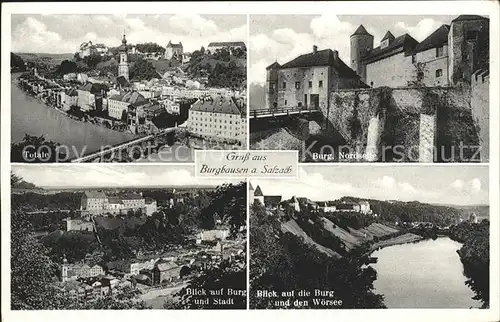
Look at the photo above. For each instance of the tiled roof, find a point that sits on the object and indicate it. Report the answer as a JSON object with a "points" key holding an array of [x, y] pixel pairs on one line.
{"points": [[469, 17], [436, 39], [227, 44], [171, 45], [388, 35], [221, 104], [404, 43], [272, 200], [122, 81], [250, 186], [361, 31], [95, 194], [258, 192], [93, 88], [321, 58]]}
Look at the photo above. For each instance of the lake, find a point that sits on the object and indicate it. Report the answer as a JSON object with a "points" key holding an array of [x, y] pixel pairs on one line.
{"points": [[426, 274]]}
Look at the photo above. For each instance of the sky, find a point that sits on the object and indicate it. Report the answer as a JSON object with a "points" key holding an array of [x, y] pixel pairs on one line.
{"points": [[283, 37], [64, 33], [463, 185], [89, 175]]}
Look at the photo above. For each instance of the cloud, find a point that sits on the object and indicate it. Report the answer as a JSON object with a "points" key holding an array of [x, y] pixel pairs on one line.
{"points": [[421, 30], [193, 25], [32, 33]]}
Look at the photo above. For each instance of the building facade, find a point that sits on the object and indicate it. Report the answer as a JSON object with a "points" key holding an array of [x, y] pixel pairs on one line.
{"points": [[98, 203], [76, 271], [219, 119]]}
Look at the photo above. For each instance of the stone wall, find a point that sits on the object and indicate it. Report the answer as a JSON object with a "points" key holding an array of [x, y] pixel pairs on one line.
{"points": [[402, 118], [480, 83]]}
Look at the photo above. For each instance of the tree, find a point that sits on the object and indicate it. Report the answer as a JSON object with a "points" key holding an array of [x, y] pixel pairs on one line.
{"points": [[17, 63]]}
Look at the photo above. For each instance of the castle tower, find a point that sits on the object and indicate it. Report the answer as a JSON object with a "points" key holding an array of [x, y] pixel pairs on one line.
{"points": [[468, 47], [361, 44], [123, 66], [272, 85]]}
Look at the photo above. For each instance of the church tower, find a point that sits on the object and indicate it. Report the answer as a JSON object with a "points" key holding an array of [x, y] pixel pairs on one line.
{"points": [[361, 44], [123, 66]]}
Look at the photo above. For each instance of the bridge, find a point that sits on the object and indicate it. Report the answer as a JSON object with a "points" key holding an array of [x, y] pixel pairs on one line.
{"points": [[122, 146], [281, 111]]}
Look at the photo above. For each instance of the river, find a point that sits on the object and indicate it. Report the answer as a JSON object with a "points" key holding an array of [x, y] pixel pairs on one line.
{"points": [[30, 116], [426, 274]]}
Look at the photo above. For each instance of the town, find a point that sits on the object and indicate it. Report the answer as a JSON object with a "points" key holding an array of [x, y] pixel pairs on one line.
{"points": [[152, 94], [140, 246]]}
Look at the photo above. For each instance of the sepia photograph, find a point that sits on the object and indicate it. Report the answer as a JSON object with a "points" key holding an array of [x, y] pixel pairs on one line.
{"points": [[127, 88], [355, 237], [117, 237], [370, 88]]}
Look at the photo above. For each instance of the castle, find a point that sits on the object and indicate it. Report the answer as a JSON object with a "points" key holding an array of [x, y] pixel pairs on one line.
{"points": [[447, 57], [174, 51]]}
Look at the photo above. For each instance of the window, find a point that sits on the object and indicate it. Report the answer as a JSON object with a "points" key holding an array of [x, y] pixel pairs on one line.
{"points": [[439, 73], [320, 84], [439, 51], [285, 103], [414, 59], [310, 84], [284, 85], [384, 44], [297, 85]]}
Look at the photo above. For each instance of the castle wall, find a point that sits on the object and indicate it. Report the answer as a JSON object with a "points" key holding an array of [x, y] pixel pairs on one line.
{"points": [[394, 71], [480, 84]]}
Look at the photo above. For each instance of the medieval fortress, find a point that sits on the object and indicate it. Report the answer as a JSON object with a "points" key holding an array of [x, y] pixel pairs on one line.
{"points": [[429, 94]]}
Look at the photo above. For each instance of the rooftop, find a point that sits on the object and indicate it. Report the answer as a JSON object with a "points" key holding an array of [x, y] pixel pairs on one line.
{"points": [[227, 44], [258, 192], [469, 17], [436, 39], [324, 57], [129, 97], [361, 31]]}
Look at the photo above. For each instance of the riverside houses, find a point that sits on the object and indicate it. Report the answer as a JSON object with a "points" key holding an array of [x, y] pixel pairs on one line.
{"points": [[219, 118], [90, 97]]}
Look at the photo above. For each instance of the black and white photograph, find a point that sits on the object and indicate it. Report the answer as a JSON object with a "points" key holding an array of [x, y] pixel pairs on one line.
{"points": [[355, 237], [127, 88], [370, 88], [126, 237]]}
